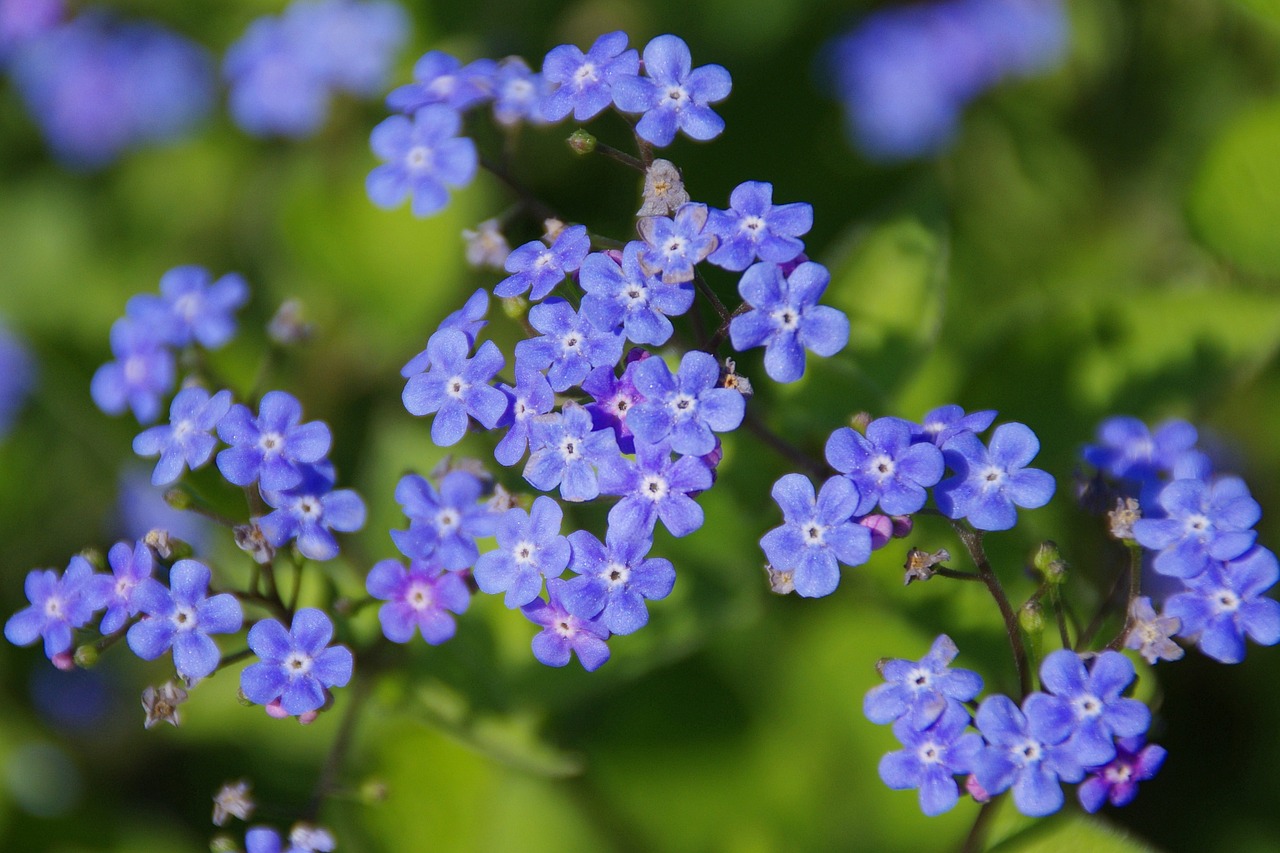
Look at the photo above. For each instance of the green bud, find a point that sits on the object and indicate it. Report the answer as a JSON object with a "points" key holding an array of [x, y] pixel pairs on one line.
{"points": [[859, 421], [86, 656], [581, 142], [94, 558], [223, 844], [1031, 618], [178, 499], [1046, 555], [515, 306], [374, 791]]}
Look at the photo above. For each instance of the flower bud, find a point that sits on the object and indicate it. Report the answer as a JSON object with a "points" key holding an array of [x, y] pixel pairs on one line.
{"points": [[1031, 618], [581, 142], [86, 656], [178, 499]]}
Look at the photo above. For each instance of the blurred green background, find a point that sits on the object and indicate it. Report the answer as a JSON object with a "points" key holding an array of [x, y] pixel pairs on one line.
{"points": [[1101, 239]]}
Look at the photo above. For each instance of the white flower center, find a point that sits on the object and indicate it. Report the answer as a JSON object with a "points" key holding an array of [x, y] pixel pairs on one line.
{"points": [[135, 370], [930, 753], [753, 225], [53, 607], [882, 467], [418, 159], [447, 520], [187, 306], [418, 596], [570, 342], [585, 75], [786, 319], [456, 387], [676, 97], [654, 487], [310, 508], [992, 477], [1087, 706], [616, 574], [813, 534], [1226, 601], [684, 405], [524, 552], [920, 679], [569, 448], [270, 442], [1198, 524], [184, 618], [1030, 751], [297, 663]]}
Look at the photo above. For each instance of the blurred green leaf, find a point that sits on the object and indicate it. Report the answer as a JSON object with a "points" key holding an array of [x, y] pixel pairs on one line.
{"points": [[1070, 834]]}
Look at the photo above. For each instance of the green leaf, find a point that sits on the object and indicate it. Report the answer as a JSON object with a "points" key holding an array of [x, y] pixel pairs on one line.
{"points": [[1069, 834]]}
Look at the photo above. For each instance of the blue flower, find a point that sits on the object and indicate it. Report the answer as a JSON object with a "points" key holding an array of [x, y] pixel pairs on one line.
{"points": [[182, 618], [303, 839], [538, 268], [931, 759], [1093, 697], [419, 598], [988, 484], [885, 466], [455, 386], [1225, 604], [1117, 781], [23, 20], [673, 95], [348, 45], [563, 633], [1026, 751], [192, 307], [816, 533], [469, 319], [653, 487], [1127, 450], [688, 407], [518, 93], [441, 79], [59, 605], [564, 450], [786, 318], [754, 227], [17, 376], [129, 567], [919, 693], [188, 439], [675, 245], [530, 548], [584, 82], [614, 579], [297, 666], [570, 344], [272, 448], [621, 293], [142, 373], [1204, 522], [422, 156], [945, 422], [308, 512], [443, 525], [614, 397], [272, 91], [531, 396], [1151, 634]]}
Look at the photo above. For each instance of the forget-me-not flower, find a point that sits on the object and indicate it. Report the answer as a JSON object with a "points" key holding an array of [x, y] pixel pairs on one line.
{"points": [[187, 441], [422, 156], [456, 386], [754, 227], [272, 448], [990, 483], [182, 618], [297, 666], [786, 319], [673, 95], [816, 533]]}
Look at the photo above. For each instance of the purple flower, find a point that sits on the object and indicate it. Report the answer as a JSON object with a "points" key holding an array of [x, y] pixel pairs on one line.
{"points": [[348, 45], [671, 95], [469, 319], [422, 156], [816, 533], [946, 422], [530, 548], [272, 90], [988, 484], [614, 397], [272, 448], [303, 839], [188, 439], [584, 82], [455, 386], [653, 487], [297, 666], [623, 294], [538, 268], [141, 374], [614, 580], [1026, 751], [786, 318], [1225, 603], [59, 605], [673, 245], [918, 693], [564, 450], [754, 227], [688, 407], [1204, 523], [1093, 697], [531, 396], [441, 79], [1117, 782], [570, 344], [443, 525], [419, 598], [308, 512], [518, 93], [931, 758], [1127, 450], [23, 20], [192, 307], [562, 632], [182, 618], [885, 466], [129, 567]]}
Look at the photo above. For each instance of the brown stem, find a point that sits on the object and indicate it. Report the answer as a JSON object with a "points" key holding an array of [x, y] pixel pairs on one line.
{"points": [[723, 331], [972, 541], [795, 454], [977, 832], [700, 283], [326, 783], [1135, 584], [527, 198]]}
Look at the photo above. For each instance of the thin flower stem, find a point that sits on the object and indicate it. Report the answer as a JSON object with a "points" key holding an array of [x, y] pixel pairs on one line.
{"points": [[723, 332], [973, 842], [233, 658], [972, 541], [1104, 607], [531, 202], [1135, 585], [1059, 612], [956, 574], [327, 782], [795, 454], [700, 283], [621, 156]]}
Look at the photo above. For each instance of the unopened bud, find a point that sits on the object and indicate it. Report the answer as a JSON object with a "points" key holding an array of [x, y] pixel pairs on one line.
{"points": [[86, 656], [288, 325], [223, 844], [1047, 553], [1031, 618], [514, 306], [64, 661], [859, 421], [178, 499], [374, 791], [581, 142], [94, 558], [551, 228]]}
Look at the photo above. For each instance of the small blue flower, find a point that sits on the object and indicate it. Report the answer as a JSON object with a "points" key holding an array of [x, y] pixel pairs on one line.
{"points": [[422, 156], [565, 450], [885, 466], [1127, 450], [308, 512], [469, 319], [614, 579], [621, 293], [192, 307], [187, 441], [443, 525], [455, 386], [1225, 603], [563, 633], [786, 318], [530, 548], [59, 605], [23, 20], [538, 268], [272, 91], [531, 396], [349, 45], [1204, 522], [919, 693], [931, 759], [584, 82], [988, 484], [273, 448], [1117, 782], [303, 839], [673, 95], [518, 93], [142, 373], [441, 79], [17, 377], [418, 599], [945, 422], [687, 407], [129, 567], [297, 666], [1026, 751], [653, 487], [614, 397], [1094, 698], [673, 246], [182, 618], [570, 344], [754, 227], [816, 533]]}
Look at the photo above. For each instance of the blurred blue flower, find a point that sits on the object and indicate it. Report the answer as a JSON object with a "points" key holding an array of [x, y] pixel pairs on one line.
{"points": [[17, 375], [23, 20]]}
